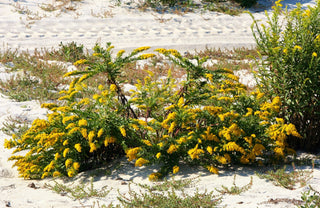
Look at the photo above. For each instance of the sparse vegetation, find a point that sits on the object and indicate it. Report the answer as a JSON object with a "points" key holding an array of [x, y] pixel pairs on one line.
{"points": [[235, 190], [80, 191], [288, 180]]}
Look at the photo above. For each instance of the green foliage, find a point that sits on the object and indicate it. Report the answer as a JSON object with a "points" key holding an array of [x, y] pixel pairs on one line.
{"points": [[247, 3], [288, 180], [69, 52], [292, 68], [208, 119], [78, 192], [168, 184], [311, 200], [170, 198], [81, 133], [235, 190]]}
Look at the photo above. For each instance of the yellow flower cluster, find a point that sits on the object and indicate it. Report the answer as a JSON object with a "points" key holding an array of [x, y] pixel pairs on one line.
{"points": [[140, 162], [132, 153], [195, 152]]}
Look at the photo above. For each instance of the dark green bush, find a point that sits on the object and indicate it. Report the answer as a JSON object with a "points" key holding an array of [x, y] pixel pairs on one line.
{"points": [[246, 3]]}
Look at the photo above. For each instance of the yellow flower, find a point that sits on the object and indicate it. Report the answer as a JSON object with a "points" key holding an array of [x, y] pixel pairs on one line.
{"points": [[132, 153], [49, 105], [120, 53], [285, 51], [154, 176], [173, 148], [160, 144], [249, 113], [123, 131], [135, 127], [244, 159], [84, 133], [65, 152], [175, 169], [307, 13], [56, 174], [181, 102], [232, 146], [213, 169], [278, 4], [113, 87], [195, 152], [100, 132], [291, 130], [91, 136], [82, 122], [92, 147], [137, 50], [57, 156], [221, 160], [171, 128], [297, 47], [210, 150], [181, 140], [8, 144], [169, 107], [96, 54], [45, 174], [314, 54], [68, 162], [78, 147], [147, 142], [146, 56], [76, 166], [80, 62], [84, 77], [65, 142], [140, 162], [96, 96], [71, 173], [109, 140], [70, 125], [257, 149], [158, 155], [279, 151]]}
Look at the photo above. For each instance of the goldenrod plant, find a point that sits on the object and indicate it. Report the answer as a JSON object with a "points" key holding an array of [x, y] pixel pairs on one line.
{"points": [[291, 69], [207, 118]]}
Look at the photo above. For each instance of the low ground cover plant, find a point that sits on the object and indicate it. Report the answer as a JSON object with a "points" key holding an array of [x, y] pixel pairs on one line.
{"points": [[206, 118], [291, 69], [311, 198], [288, 179]]}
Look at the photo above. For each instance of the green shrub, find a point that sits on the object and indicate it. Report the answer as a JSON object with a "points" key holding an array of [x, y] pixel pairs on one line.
{"points": [[207, 119], [292, 68], [246, 3], [81, 133]]}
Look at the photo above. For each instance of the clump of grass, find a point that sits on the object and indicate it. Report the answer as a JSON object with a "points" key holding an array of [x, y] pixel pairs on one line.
{"points": [[168, 184], [235, 190], [78, 192], [69, 52], [288, 180], [37, 79], [15, 125], [168, 197]]}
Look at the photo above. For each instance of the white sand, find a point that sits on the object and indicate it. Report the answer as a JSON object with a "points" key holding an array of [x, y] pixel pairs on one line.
{"points": [[126, 28]]}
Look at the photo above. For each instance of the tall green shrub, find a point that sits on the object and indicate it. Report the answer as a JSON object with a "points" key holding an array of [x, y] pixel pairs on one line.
{"points": [[291, 69]]}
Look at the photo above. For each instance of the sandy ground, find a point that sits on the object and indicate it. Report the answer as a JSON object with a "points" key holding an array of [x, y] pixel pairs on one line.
{"points": [[126, 27]]}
